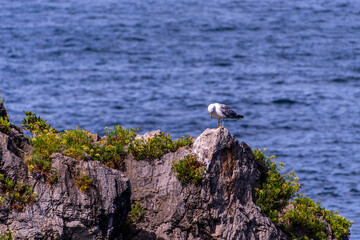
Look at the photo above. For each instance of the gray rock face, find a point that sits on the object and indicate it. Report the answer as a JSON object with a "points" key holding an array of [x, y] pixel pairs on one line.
{"points": [[61, 210], [221, 207]]}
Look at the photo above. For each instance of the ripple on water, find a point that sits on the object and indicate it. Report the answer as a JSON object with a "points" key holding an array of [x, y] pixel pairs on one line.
{"points": [[290, 67]]}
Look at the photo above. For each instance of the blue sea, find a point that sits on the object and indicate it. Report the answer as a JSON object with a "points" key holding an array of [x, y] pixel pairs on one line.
{"points": [[292, 68]]}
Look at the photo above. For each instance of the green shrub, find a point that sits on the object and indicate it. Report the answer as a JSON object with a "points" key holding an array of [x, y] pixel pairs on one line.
{"points": [[306, 216], [304, 219], [188, 169], [83, 182], [5, 125], [45, 144], [114, 149], [7, 235], [136, 213], [277, 189], [110, 155], [35, 124], [16, 194], [183, 141], [120, 135], [153, 148], [75, 143]]}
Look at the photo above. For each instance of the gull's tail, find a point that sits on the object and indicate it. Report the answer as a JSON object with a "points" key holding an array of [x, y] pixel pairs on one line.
{"points": [[239, 116]]}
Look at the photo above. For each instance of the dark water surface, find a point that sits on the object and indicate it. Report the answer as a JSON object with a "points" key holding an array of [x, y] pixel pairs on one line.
{"points": [[292, 68]]}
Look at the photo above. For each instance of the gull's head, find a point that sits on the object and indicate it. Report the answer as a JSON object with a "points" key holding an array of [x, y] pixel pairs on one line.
{"points": [[211, 109]]}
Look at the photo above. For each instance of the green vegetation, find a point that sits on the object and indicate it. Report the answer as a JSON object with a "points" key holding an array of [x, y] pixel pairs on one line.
{"points": [[75, 143], [45, 144], [136, 213], [16, 194], [156, 147], [35, 124], [277, 189], [300, 218], [7, 235], [188, 169], [83, 182], [305, 215], [54, 177], [114, 149], [5, 124], [117, 144]]}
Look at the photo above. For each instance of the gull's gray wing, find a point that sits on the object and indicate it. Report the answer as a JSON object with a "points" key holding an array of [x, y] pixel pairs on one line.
{"points": [[227, 111]]}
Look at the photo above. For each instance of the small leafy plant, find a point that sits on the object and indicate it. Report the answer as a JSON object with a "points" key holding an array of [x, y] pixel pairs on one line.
{"points": [[35, 124], [75, 143], [5, 125], [188, 169], [114, 149], [45, 144], [7, 235], [153, 148], [136, 213], [183, 141], [83, 182], [16, 194]]}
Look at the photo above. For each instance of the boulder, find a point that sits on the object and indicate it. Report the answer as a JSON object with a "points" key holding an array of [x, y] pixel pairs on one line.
{"points": [[221, 207]]}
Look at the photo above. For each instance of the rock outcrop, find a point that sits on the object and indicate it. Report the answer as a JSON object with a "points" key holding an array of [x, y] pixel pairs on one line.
{"points": [[61, 210], [221, 207]]}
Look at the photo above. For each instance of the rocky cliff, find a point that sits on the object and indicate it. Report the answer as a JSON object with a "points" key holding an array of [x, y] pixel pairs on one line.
{"points": [[60, 209], [221, 207], [52, 204]]}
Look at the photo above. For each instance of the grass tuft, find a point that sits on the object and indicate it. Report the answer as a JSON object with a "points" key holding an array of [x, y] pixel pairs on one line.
{"points": [[188, 169], [83, 182], [114, 149], [16, 194], [35, 124], [7, 235], [136, 214], [156, 147], [5, 125]]}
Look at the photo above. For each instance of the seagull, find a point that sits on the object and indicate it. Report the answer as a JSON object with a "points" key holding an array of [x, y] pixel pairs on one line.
{"points": [[221, 111]]}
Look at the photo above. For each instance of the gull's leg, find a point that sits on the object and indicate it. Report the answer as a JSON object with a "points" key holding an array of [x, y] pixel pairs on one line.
{"points": [[218, 122], [223, 122]]}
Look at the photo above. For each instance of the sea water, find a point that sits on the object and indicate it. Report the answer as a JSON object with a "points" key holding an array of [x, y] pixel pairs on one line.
{"points": [[292, 68]]}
